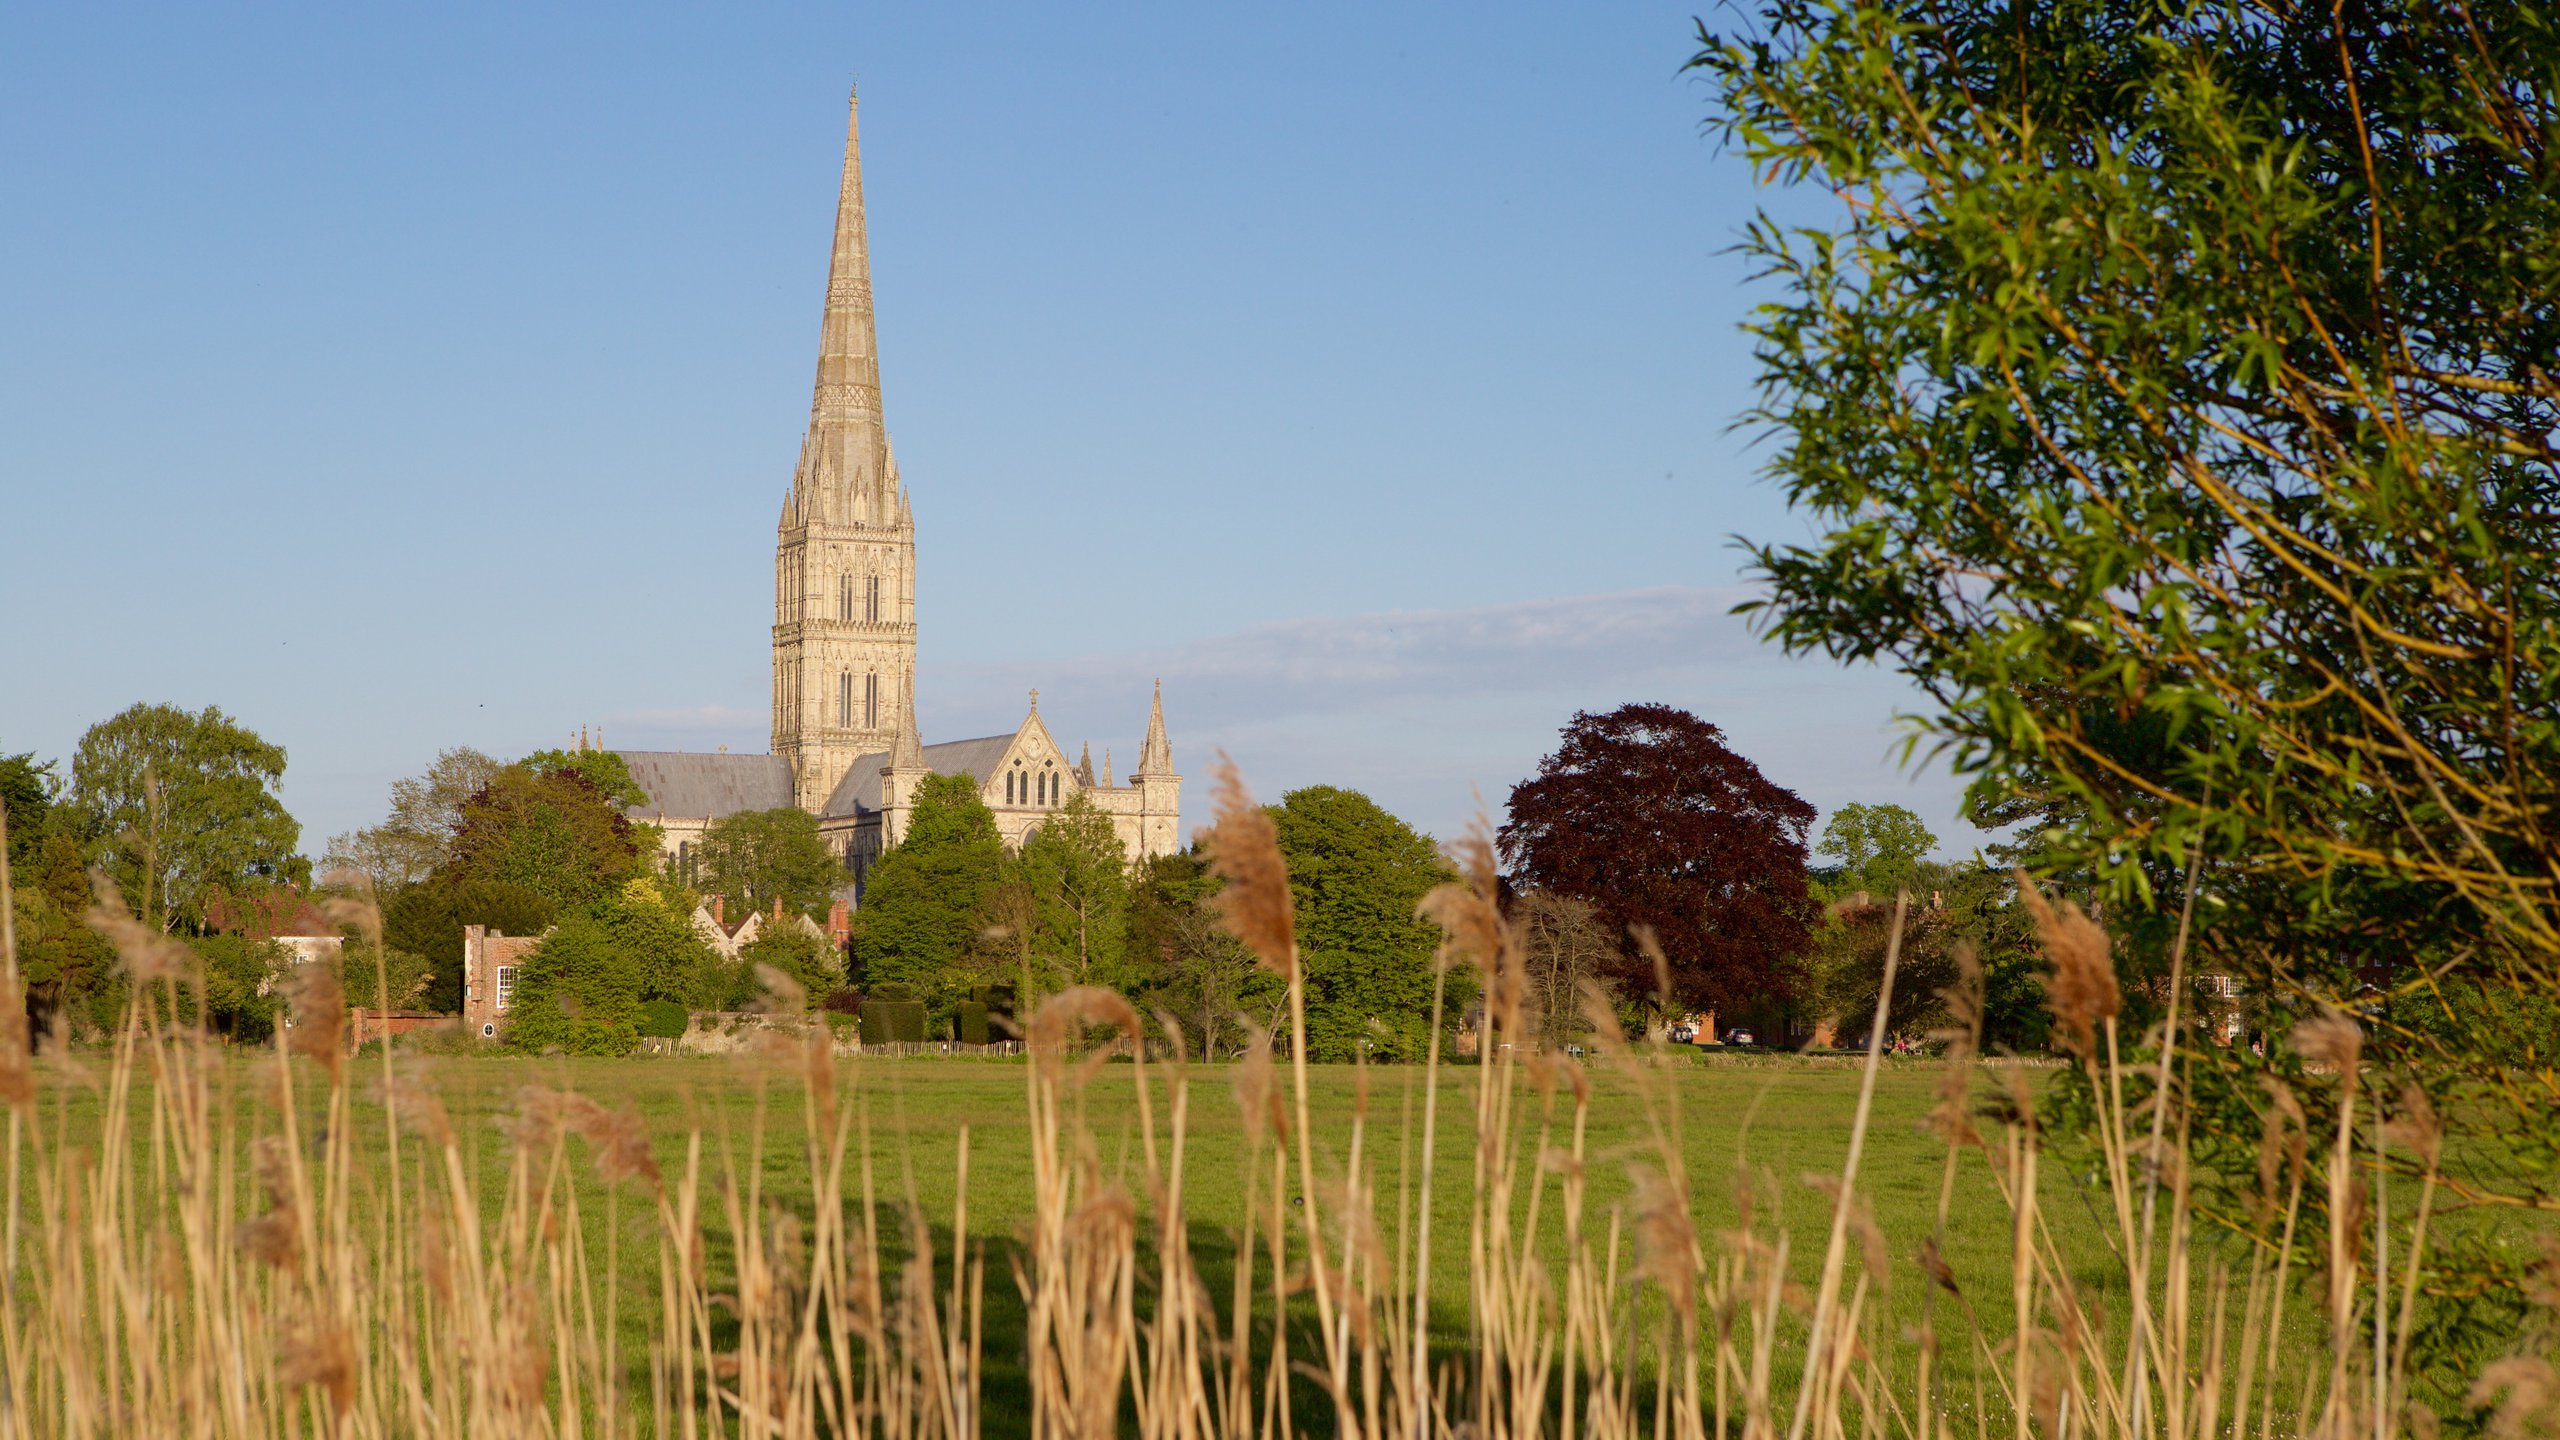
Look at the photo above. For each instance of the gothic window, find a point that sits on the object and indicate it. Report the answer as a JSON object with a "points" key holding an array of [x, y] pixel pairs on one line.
{"points": [[1008, 787], [871, 700], [871, 603], [844, 597], [844, 698]]}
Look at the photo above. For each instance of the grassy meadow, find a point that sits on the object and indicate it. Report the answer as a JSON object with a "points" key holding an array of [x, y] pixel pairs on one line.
{"points": [[1757, 1131]]}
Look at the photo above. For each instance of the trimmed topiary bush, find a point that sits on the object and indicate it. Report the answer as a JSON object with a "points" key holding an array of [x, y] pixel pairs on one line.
{"points": [[969, 1023], [892, 1022]]}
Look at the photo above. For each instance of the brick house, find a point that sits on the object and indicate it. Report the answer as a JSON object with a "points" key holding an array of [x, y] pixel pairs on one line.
{"points": [[489, 962]]}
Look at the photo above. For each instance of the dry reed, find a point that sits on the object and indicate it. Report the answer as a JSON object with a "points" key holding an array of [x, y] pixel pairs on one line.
{"points": [[378, 1291]]}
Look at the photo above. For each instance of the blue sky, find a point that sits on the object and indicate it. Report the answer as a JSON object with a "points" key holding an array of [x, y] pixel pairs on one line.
{"points": [[405, 379]]}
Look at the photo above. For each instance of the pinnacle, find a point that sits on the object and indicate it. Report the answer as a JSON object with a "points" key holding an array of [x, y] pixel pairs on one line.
{"points": [[1155, 757]]}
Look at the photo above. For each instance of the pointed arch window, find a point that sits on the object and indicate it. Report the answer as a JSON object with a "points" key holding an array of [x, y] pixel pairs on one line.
{"points": [[844, 597], [871, 700], [1008, 787], [844, 698], [871, 602]]}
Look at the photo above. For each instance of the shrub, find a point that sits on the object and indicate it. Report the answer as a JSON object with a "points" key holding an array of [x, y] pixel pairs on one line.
{"points": [[969, 1023], [892, 1022], [662, 1020]]}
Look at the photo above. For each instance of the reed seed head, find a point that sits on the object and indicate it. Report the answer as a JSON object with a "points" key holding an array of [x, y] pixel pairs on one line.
{"points": [[148, 954], [2081, 986], [319, 1017], [2520, 1389], [1244, 849], [321, 1355], [2331, 1039]]}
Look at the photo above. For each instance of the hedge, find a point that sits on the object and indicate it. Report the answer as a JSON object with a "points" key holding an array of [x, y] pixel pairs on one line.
{"points": [[890, 1022]]}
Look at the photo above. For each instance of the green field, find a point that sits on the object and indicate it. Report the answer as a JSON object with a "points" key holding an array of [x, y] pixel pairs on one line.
{"points": [[1781, 1120]]}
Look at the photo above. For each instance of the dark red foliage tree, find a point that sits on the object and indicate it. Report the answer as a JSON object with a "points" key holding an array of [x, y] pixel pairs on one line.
{"points": [[1645, 814]]}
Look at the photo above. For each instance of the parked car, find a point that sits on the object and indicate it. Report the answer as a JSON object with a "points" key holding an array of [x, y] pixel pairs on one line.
{"points": [[1741, 1037], [1684, 1034]]}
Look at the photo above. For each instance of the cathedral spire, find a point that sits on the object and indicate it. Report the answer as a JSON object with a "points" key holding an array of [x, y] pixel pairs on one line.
{"points": [[1155, 757], [848, 444]]}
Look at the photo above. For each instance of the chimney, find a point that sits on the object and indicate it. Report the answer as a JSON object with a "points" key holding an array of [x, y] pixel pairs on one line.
{"points": [[720, 911], [839, 923], [777, 909]]}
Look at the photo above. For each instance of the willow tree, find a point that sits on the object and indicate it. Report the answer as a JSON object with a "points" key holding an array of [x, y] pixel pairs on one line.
{"points": [[2171, 389]]}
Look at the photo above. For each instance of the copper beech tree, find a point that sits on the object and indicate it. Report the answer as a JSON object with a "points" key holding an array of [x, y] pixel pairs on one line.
{"points": [[1646, 815]]}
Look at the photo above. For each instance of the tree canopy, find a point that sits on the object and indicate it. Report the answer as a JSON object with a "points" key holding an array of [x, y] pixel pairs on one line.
{"points": [[1877, 847], [1077, 873], [215, 822], [604, 769], [425, 811], [756, 857], [1648, 817], [2169, 390], [922, 901], [1357, 873], [27, 789], [557, 835]]}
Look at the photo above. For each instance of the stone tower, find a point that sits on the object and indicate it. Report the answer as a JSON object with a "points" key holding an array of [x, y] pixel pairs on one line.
{"points": [[844, 576]]}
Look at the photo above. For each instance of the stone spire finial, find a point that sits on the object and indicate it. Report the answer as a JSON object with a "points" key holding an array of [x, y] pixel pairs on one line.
{"points": [[1155, 757], [908, 753], [848, 444], [1084, 767]]}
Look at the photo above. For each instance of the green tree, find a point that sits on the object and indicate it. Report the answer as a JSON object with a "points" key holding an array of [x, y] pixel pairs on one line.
{"points": [[69, 969], [654, 931], [417, 836], [756, 857], [402, 976], [604, 769], [556, 835], [243, 985], [427, 921], [27, 790], [1357, 873], [1187, 964], [2168, 390], [923, 900], [809, 961], [214, 823], [1878, 848], [578, 993], [1078, 876]]}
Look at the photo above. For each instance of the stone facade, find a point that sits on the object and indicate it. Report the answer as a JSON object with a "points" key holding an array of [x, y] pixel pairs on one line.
{"points": [[844, 569], [845, 745]]}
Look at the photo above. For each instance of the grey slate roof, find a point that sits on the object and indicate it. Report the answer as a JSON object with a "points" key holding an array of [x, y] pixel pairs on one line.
{"points": [[859, 791], [683, 783]]}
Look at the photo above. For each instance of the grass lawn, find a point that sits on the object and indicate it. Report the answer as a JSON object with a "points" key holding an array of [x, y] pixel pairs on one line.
{"points": [[1783, 1120]]}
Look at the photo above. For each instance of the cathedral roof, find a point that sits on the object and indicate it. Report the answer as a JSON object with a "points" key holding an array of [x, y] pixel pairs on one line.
{"points": [[692, 785], [859, 791]]}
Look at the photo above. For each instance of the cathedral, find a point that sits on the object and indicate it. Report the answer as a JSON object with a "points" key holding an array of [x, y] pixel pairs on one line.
{"points": [[845, 744]]}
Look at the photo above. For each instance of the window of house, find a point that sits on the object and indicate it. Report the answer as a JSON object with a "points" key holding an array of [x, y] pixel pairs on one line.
{"points": [[506, 985]]}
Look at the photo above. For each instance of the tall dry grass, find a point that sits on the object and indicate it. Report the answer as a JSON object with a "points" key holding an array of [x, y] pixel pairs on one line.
{"points": [[206, 1267]]}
